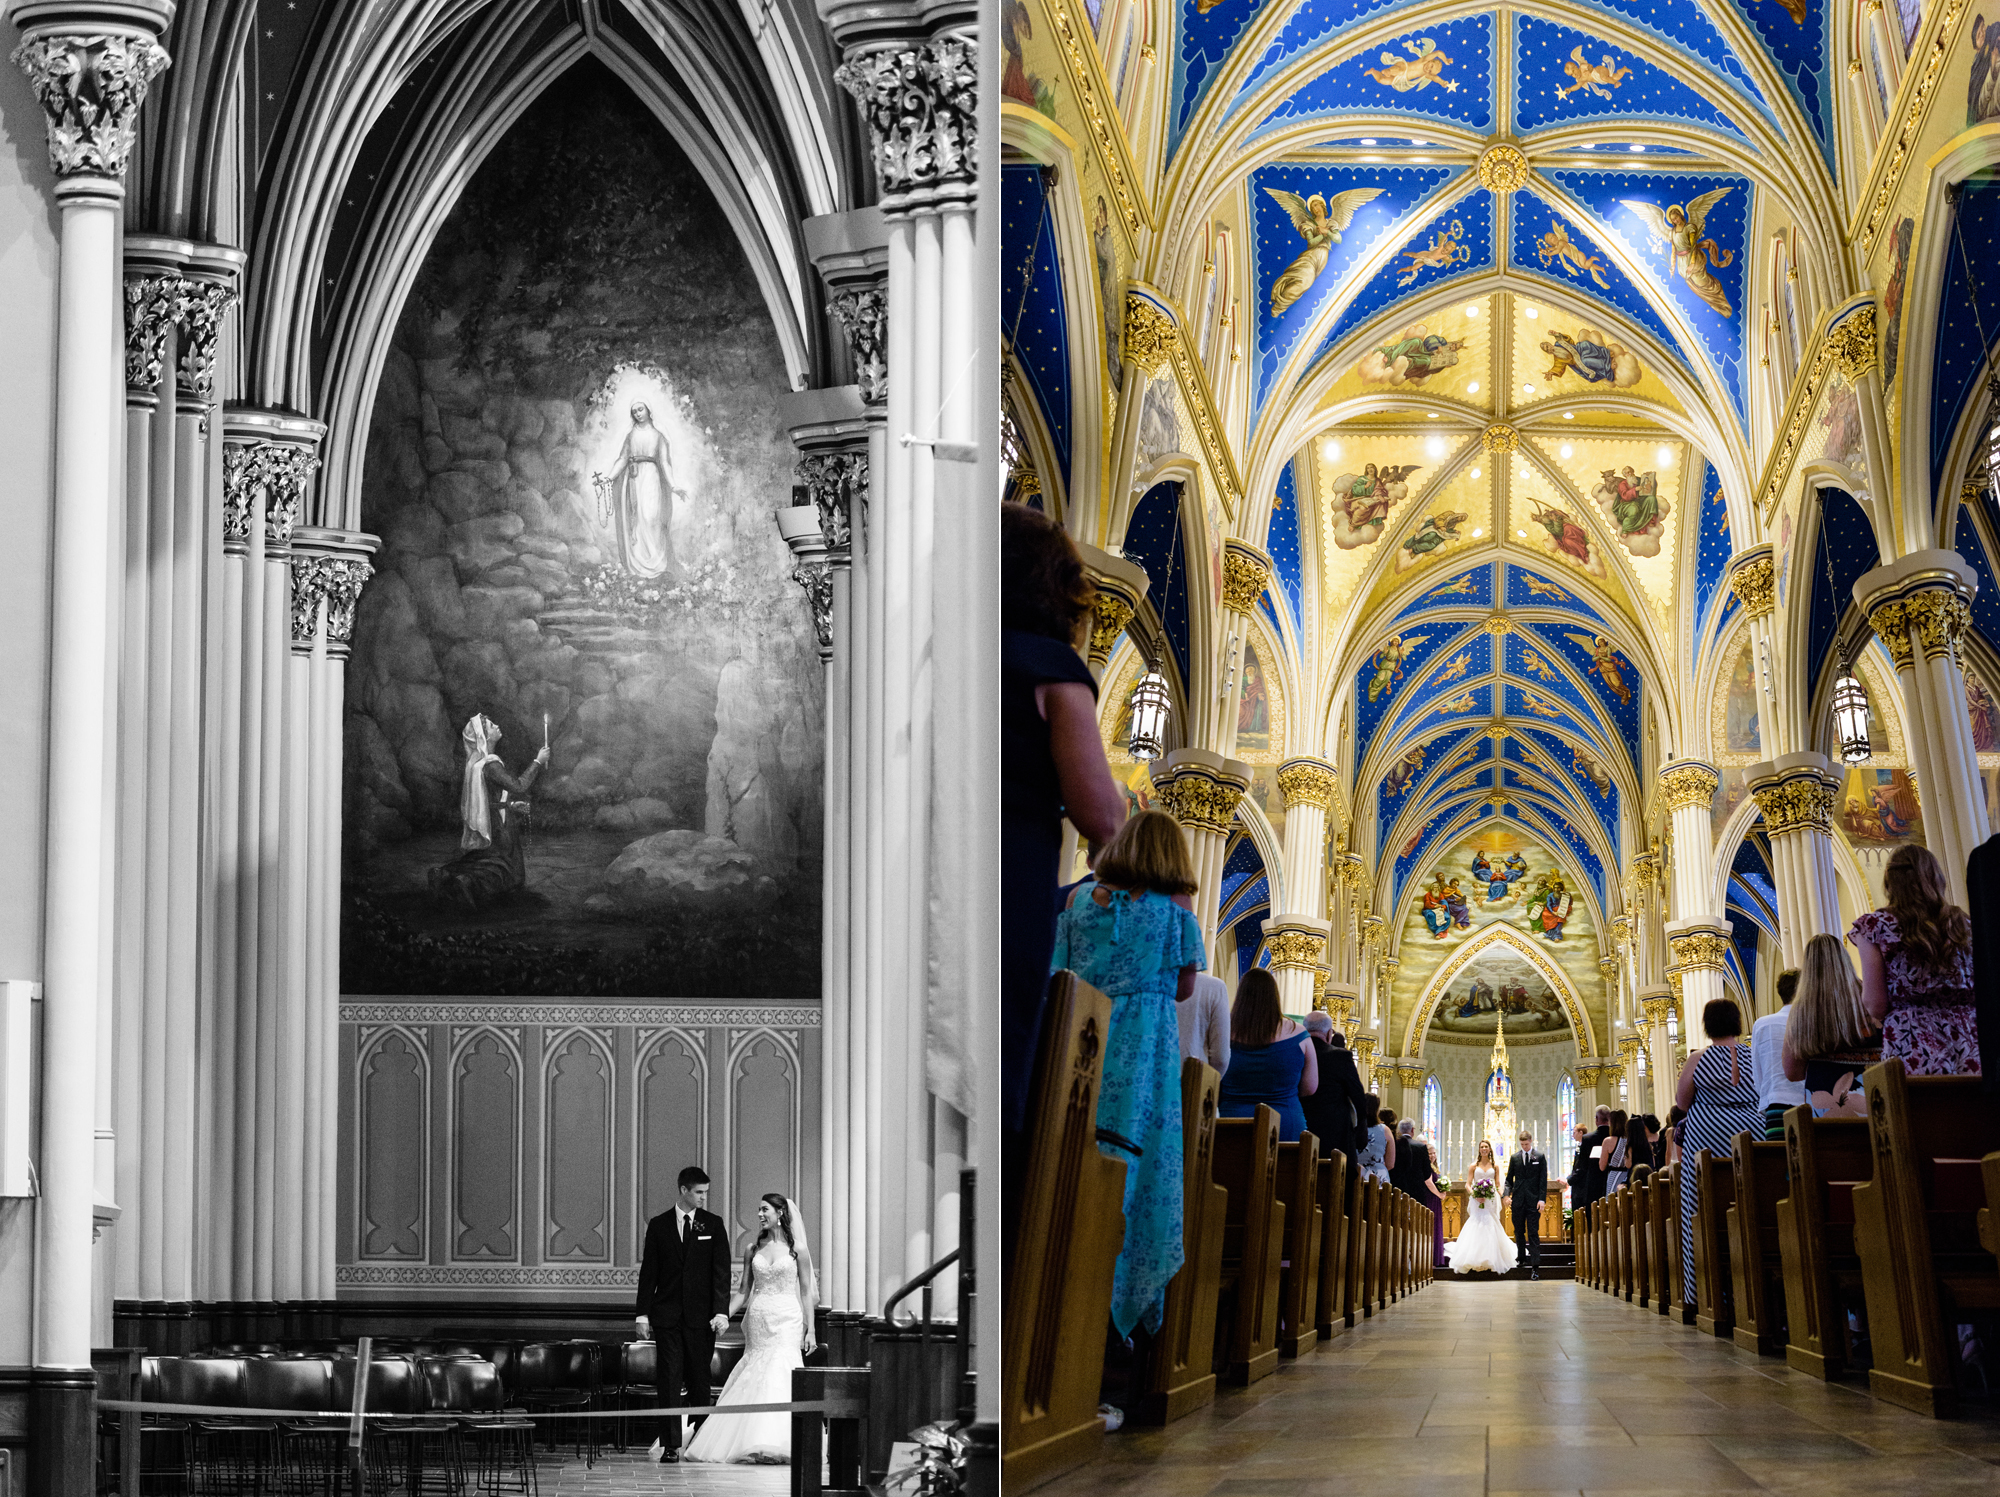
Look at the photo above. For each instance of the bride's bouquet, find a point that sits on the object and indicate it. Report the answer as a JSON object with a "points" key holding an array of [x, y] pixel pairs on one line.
{"points": [[1483, 1190]]}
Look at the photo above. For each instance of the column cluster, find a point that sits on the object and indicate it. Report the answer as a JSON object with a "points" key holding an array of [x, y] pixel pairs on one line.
{"points": [[1202, 791], [1309, 786]]}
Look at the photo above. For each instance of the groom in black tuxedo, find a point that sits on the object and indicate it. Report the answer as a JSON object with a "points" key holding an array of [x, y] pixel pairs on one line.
{"points": [[684, 1298], [1527, 1190]]}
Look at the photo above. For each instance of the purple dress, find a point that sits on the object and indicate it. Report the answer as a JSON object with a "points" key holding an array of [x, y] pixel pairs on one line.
{"points": [[1930, 1022]]}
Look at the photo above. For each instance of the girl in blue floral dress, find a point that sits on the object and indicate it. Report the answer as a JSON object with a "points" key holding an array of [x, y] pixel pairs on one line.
{"points": [[1132, 935]]}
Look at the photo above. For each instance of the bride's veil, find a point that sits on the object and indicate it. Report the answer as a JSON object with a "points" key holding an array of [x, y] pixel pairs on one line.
{"points": [[808, 1275]]}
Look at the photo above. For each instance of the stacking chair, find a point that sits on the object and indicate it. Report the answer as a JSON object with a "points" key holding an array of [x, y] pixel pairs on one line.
{"points": [[557, 1376], [637, 1386], [301, 1456], [225, 1454], [498, 1450]]}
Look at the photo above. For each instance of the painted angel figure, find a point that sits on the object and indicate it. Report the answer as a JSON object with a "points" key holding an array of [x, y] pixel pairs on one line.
{"points": [[1683, 230], [1320, 223], [1389, 663], [1599, 80], [1424, 66], [1604, 660]]}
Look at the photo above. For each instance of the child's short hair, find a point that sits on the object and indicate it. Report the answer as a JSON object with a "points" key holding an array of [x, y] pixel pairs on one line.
{"points": [[1148, 852]]}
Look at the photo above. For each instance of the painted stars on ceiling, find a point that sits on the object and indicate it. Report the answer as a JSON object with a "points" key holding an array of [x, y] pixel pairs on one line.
{"points": [[1442, 73]]}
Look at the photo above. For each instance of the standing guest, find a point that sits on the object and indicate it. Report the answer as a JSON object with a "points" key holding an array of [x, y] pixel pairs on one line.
{"points": [[1720, 1096], [684, 1300], [1204, 1023], [1131, 934], [1775, 1091], [1611, 1159], [1428, 1193], [1378, 1148], [1633, 1151], [1656, 1146], [1829, 1041], [1052, 767], [1335, 1105], [1403, 1174], [1586, 1180], [1916, 969], [1675, 1117], [1266, 1067], [1386, 1116]]}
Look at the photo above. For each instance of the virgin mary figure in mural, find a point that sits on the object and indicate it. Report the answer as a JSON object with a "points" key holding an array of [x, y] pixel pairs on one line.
{"points": [[491, 863], [639, 491]]}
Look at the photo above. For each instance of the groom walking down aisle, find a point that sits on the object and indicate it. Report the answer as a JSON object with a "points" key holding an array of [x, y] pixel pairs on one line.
{"points": [[1527, 1189]]}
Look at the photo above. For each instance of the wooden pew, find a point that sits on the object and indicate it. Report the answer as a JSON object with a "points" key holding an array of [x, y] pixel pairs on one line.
{"points": [[1072, 1226], [1399, 1247], [1298, 1294], [1616, 1236], [1916, 1229], [1824, 1159], [1592, 1240], [1715, 1193], [1371, 1261], [1679, 1306], [1336, 1204], [1756, 1266], [1640, 1289], [1179, 1375], [1253, 1245], [1354, 1292], [1660, 1227]]}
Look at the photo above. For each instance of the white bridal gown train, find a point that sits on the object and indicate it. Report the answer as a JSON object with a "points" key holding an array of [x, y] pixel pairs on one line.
{"points": [[1482, 1246], [774, 1331]]}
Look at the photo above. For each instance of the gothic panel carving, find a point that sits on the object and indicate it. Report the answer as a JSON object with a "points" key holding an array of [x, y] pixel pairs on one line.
{"points": [[393, 1147], [673, 1116], [485, 1136], [576, 1153], [763, 1124]]}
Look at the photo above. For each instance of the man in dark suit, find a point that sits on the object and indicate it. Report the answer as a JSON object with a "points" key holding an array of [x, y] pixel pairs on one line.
{"points": [[1527, 1191], [1330, 1111], [1586, 1180], [684, 1299]]}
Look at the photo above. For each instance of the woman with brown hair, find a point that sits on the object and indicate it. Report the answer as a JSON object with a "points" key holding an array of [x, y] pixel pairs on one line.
{"points": [[1916, 969], [1829, 1041], [1266, 1066], [1131, 934]]}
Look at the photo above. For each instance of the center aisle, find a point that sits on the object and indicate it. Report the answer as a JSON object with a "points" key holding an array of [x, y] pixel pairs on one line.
{"points": [[1509, 1386]]}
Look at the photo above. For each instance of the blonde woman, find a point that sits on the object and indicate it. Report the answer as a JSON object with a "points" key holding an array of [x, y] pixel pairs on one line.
{"points": [[1829, 1041]]}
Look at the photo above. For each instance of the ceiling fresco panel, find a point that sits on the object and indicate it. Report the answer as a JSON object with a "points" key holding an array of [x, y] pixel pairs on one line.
{"points": [[1559, 356], [1613, 682], [1526, 588], [1795, 34], [1409, 768], [1038, 327], [1563, 75], [1443, 684], [1442, 73], [1550, 245], [1457, 242], [1303, 252], [1311, 23], [1713, 542], [1473, 589], [1283, 543], [1385, 676]]}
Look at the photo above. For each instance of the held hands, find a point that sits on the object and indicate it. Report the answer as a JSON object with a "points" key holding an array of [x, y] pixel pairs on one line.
{"points": [[718, 1323]]}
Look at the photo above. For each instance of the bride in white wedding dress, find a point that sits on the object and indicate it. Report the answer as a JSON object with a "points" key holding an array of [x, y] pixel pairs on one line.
{"points": [[1481, 1246], [777, 1338]]}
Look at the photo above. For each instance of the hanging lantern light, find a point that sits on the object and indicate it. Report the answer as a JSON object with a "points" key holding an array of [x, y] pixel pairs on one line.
{"points": [[1149, 716], [1850, 715]]}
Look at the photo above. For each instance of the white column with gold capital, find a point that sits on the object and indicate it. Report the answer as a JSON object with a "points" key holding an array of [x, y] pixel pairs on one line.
{"points": [[1753, 577], [1202, 791], [89, 66], [1246, 572], [1920, 606], [1796, 794], [1121, 584], [1687, 787], [1308, 786], [919, 102], [1298, 947]]}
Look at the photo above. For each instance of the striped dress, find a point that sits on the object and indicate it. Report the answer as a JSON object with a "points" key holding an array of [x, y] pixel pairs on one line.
{"points": [[1724, 1105]]}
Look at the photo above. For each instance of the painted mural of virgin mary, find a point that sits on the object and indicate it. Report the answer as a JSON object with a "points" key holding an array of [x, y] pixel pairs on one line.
{"points": [[639, 493]]}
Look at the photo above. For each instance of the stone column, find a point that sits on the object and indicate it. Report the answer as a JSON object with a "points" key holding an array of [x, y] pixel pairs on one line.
{"points": [[1121, 583], [1588, 1074], [89, 66], [1246, 572], [1411, 1073], [920, 106], [832, 434], [1363, 1046], [1753, 576], [1298, 947], [1701, 949], [1920, 606], [328, 570], [1796, 795], [1202, 791], [1655, 1005]]}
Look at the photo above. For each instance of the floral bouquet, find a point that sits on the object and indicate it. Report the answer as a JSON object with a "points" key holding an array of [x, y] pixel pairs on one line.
{"points": [[1484, 1191]]}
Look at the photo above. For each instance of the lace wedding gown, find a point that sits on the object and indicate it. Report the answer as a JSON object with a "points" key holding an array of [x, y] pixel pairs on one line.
{"points": [[774, 1331], [1482, 1246]]}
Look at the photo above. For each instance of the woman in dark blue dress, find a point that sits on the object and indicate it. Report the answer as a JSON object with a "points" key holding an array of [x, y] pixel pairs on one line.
{"points": [[1266, 1065]]}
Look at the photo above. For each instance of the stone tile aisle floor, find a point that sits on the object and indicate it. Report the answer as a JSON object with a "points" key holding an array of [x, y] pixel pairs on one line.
{"points": [[630, 1474], [1483, 1388]]}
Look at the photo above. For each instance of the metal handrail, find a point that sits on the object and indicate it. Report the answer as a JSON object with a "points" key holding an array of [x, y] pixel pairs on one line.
{"points": [[921, 1281]]}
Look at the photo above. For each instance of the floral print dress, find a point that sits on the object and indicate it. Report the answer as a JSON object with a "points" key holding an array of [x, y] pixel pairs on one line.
{"points": [[1930, 1022], [1132, 951]]}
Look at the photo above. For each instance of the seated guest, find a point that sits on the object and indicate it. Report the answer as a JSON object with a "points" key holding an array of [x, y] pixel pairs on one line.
{"points": [[1378, 1147], [1775, 1091], [1633, 1150], [1264, 1066], [1334, 1106], [1204, 1021], [1916, 969], [1828, 1039]]}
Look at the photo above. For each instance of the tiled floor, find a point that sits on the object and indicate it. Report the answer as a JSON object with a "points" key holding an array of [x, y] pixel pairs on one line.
{"points": [[631, 1474], [1479, 1389]]}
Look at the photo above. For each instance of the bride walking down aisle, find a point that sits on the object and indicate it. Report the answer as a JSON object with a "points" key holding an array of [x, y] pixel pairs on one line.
{"points": [[780, 1292], [1481, 1247]]}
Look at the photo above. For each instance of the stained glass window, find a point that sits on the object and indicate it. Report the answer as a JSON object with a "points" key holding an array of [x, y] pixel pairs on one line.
{"points": [[1565, 1110], [1433, 1110]]}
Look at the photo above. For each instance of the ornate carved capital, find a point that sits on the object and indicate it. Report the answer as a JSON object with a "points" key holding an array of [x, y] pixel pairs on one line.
{"points": [[922, 108], [1797, 803], [1891, 623], [863, 315], [1645, 868], [1292, 947], [278, 471], [1149, 333], [1608, 965], [1245, 575], [1755, 584], [816, 579], [1363, 1046], [1688, 782], [1308, 782], [1320, 977], [834, 480], [335, 581], [1110, 612], [1503, 168], [1852, 345], [202, 307], [1200, 800], [1412, 1076], [91, 86], [1937, 619], [1499, 438], [1657, 1010], [151, 304], [1699, 950]]}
